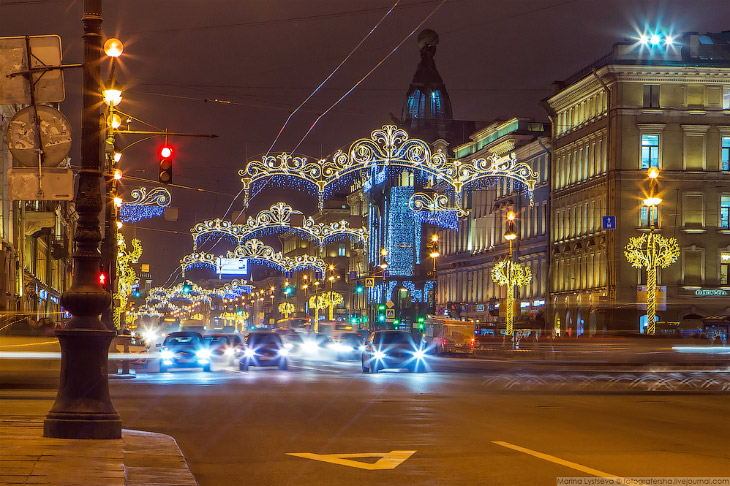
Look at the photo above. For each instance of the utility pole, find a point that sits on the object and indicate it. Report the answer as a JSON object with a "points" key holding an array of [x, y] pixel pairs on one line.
{"points": [[83, 408]]}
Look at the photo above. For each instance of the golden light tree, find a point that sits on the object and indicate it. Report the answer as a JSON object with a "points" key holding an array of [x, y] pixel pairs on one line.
{"points": [[332, 299], [286, 308], [651, 251], [239, 320], [317, 302], [511, 273], [126, 276]]}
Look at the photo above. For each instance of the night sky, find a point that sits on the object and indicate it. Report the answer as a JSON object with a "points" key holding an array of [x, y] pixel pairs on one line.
{"points": [[497, 58]]}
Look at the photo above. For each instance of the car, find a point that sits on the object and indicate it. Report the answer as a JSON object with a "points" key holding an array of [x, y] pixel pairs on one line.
{"points": [[348, 346], [225, 346], [263, 349], [184, 349], [392, 349], [316, 346], [293, 342]]}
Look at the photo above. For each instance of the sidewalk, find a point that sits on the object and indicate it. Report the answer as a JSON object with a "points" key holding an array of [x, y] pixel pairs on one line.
{"points": [[138, 458]]}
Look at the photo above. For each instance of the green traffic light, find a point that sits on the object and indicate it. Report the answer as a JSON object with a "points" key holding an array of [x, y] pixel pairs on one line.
{"points": [[381, 318], [381, 307], [396, 321], [359, 289]]}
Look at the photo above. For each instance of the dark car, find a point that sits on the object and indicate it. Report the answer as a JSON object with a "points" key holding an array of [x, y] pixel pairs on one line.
{"points": [[225, 346], [293, 342], [184, 349], [264, 349], [348, 346], [392, 349]]}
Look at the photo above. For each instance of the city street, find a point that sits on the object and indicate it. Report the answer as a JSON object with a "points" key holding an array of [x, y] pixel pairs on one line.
{"points": [[488, 425]]}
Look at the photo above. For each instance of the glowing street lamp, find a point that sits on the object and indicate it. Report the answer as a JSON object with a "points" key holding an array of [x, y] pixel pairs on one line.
{"points": [[651, 250]]}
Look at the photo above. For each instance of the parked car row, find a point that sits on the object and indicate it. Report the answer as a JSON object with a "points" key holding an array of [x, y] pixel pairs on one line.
{"points": [[381, 350]]}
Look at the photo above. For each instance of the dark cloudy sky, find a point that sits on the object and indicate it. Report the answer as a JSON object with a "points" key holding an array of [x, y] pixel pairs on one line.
{"points": [[497, 58]]}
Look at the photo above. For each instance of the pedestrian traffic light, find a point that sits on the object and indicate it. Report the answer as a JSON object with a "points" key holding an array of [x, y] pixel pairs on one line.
{"points": [[359, 289], [102, 278], [166, 153]]}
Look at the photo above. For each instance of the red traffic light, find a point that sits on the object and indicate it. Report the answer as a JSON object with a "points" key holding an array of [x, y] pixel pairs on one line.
{"points": [[166, 151], [102, 278]]}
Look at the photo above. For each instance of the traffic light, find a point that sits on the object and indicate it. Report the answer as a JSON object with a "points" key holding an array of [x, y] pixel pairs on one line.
{"points": [[421, 320], [166, 153], [136, 294], [288, 290], [381, 312], [187, 288], [359, 289], [103, 279]]}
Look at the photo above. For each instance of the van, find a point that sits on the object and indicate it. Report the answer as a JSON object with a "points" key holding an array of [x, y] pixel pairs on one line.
{"points": [[449, 335]]}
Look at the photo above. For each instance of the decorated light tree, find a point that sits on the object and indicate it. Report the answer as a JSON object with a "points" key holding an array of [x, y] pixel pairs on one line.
{"points": [[317, 302], [286, 308], [126, 276]]}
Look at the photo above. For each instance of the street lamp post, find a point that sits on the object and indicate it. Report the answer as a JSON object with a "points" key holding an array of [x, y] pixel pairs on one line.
{"points": [[651, 250], [83, 408], [510, 273]]}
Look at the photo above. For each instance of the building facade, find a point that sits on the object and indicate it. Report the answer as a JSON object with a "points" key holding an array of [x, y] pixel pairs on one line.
{"points": [[665, 106], [468, 253]]}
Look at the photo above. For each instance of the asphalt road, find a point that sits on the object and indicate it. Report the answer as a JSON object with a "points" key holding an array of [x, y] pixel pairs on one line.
{"points": [[465, 423]]}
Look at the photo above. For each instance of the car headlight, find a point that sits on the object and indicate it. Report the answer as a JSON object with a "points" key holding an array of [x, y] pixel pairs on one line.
{"points": [[361, 347], [203, 353], [229, 351], [419, 354], [288, 345], [310, 347], [379, 355], [167, 354], [284, 352], [249, 353]]}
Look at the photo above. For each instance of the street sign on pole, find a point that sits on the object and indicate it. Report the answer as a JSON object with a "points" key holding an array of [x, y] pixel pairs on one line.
{"points": [[370, 282], [389, 314], [45, 51], [609, 222], [25, 143]]}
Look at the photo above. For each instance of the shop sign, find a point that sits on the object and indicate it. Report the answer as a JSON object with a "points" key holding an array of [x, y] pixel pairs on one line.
{"points": [[710, 292]]}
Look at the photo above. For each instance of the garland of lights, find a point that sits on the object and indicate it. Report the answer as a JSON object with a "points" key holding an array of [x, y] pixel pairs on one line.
{"points": [[651, 251], [386, 148], [126, 276], [145, 204], [435, 210], [276, 219], [511, 273], [257, 251]]}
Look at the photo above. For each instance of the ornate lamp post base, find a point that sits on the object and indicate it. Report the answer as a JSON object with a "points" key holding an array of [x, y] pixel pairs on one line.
{"points": [[83, 407]]}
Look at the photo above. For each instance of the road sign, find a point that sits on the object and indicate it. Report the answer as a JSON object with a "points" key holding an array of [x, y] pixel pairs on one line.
{"points": [[390, 304], [54, 140], [54, 185], [370, 282], [609, 222], [388, 460], [45, 50], [353, 275], [232, 266], [386, 273], [317, 275], [390, 313]]}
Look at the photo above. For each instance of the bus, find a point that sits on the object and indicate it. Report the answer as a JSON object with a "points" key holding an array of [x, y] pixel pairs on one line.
{"points": [[444, 335]]}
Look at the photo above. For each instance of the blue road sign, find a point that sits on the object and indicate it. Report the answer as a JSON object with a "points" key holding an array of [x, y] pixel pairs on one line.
{"points": [[317, 275], [353, 275], [386, 273], [609, 222]]}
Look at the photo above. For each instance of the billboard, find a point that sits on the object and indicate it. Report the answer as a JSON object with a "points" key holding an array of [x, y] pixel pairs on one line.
{"points": [[232, 266]]}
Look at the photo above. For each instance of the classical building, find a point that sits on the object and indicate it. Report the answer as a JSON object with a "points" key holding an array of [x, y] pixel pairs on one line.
{"points": [[470, 251], [664, 105]]}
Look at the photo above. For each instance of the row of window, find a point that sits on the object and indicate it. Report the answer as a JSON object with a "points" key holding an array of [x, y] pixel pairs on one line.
{"points": [[582, 112], [695, 96], [694, 151], [580, 219], [694, 269], [583, 271], [579, 162], [477, 286]]}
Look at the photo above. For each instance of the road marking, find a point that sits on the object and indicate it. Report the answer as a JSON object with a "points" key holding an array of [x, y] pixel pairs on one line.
{"points": [[572, 465], [388, 460]]}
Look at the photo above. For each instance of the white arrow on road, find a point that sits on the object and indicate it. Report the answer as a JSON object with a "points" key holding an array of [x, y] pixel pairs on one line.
{"points": [[388, 460]]}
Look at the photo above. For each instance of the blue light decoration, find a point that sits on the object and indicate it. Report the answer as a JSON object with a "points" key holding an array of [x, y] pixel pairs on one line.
{"points": [[392, 284], [402, 231], [435, 210], [416, 294], [145, 204]]}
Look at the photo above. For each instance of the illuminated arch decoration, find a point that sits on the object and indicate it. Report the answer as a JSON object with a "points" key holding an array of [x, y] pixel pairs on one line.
{"points": [[276, 219], [257, 252], [236, 288], [434, 209], [387, 150], [145, 204]]}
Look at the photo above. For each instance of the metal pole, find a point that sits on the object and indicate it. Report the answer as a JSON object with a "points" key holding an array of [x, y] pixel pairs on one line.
{"points": [[83, 408], [651, 277], [510, 295]]}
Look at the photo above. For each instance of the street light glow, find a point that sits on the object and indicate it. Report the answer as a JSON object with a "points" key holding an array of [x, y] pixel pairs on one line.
{"points": [[112, 97], [511, 215], [653, 172], [117, 156], [113, 47], [652, 201]]}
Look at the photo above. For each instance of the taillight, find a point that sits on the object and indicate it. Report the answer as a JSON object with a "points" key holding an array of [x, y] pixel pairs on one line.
{"points": [[472, 342], [444, 342]]}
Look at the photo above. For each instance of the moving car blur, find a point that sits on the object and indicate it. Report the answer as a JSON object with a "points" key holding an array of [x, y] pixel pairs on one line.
{"points": [[348, 346], [184, 349], [224, 347], [264, 349], [392, 349]]}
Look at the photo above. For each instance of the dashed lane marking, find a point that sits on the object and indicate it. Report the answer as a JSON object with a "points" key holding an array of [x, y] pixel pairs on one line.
{"points": [[572, 465]]}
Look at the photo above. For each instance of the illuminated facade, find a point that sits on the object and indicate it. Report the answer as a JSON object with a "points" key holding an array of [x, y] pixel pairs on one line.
{"points": [[470, 253], [641, 106]]}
